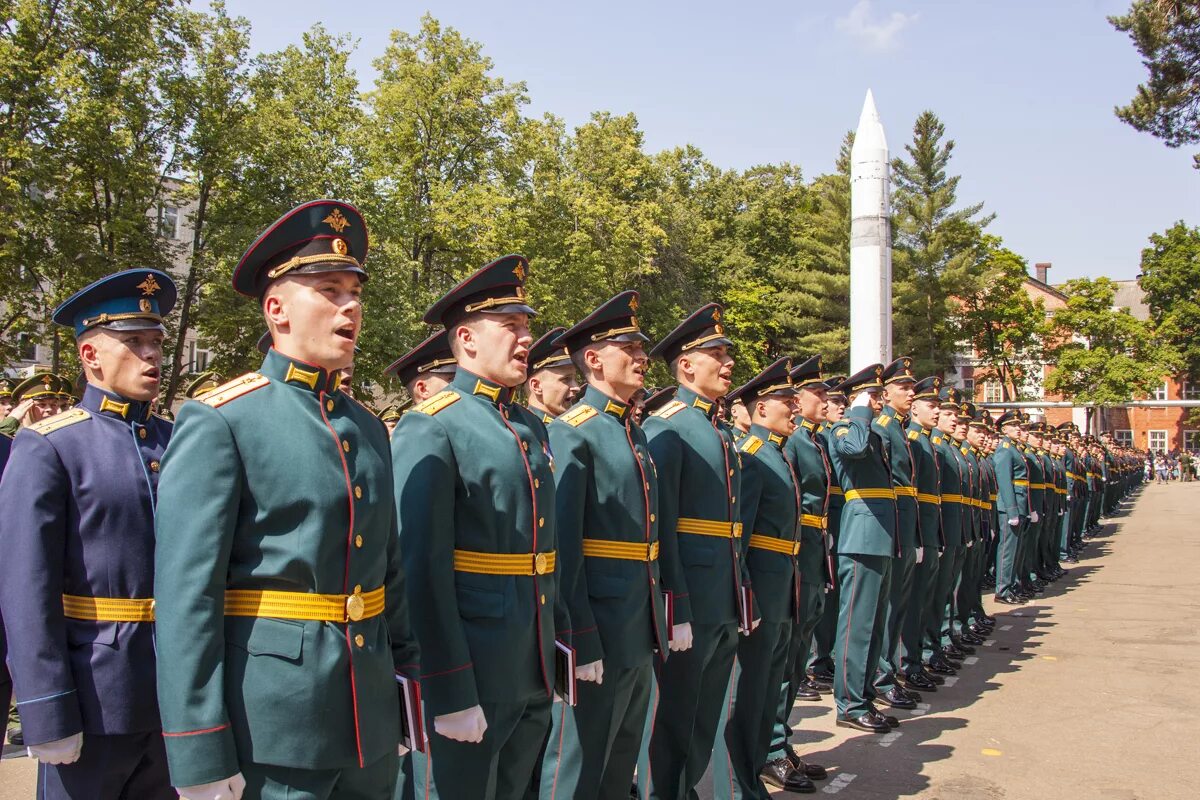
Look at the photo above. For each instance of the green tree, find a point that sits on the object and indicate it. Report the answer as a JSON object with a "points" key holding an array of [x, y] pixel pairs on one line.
{"points": [[1171, 279], [1003, 324], [1167, 35], [1103, 355], [935, 247]]}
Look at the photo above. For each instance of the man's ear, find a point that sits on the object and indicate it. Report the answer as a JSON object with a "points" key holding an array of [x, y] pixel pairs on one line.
{"points": [[89, 355], [535, 387], [274, 309]]}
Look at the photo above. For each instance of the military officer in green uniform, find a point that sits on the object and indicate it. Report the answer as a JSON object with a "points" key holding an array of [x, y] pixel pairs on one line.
{"points": [[922, 422], [201, 385], [1012, 487], [1030, 584], [699, 485], [606, 507], [953, 484], [866, 546], [552, 386], [820, 668], [805, 451], [898, 393], [281, 609], [389, 415], [474, 493], [426, 369], [739, 417]]}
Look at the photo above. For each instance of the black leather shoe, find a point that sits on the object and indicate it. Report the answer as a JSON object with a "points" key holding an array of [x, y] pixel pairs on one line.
{"points": [[15, 736], [1009, 600], [782, 774], [939, 665], [918, 680], [962, 646], [867, 722], [815, 685], [981, 630], [823, 678], [987, 619], [895, 699], [937, 679], [806, 692], [814, 771], [953, 653], [888, 719], [971, 639]]}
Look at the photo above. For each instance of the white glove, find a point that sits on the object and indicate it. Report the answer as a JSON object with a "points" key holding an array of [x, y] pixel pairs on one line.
{"points": [[753, 626], [401, 750], [60, 751], [593, 672], [230, 788], [1033, 516], [920, 554], [681, 637], [1060, 513], [861, 399], [467, 725], [1014, 521], [969, 544]]}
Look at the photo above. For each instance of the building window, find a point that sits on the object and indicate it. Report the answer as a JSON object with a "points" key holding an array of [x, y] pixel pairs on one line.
{"points": [[198, 356], [26, 347], [1191, 389], [1191, 440], [1124, 438], [1160, 393], [969, 387], [168, 222], [1157, 441], [993, 392]]}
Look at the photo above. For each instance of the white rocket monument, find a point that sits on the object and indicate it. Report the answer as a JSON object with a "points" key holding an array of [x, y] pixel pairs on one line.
{"points": [[870, 243]]}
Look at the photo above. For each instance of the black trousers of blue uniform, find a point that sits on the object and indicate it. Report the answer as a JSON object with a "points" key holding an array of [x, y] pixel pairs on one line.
{"points": [[501, 766], [692, 686], [120, 767]]}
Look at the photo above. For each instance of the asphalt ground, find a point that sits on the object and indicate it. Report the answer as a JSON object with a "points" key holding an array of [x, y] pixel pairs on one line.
{"points": [[1079, 694]]}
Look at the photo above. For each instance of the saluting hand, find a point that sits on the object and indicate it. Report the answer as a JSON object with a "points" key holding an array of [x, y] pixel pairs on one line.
{"points": [[467, 725], [681, 637], [593, 672], [60, 751], [230, 788]]}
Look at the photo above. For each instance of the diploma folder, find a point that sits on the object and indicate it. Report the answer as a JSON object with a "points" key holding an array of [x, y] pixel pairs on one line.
{"points": [[564, 672], [412, 726]]}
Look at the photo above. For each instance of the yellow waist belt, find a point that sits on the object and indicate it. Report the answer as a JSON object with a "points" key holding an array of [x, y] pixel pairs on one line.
{"points": [[764, 542], [813, 521], [304, 605], [952, 498], [994, 497], [1020, 482], [922, 497], [626, 551], [836, 490], [505, 563], [870, 494], [108, 609], [985, 506], [708, 527], [906, 491]]}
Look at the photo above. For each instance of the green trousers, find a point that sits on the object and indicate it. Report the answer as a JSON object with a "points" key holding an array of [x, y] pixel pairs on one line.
{"points": [[813, 607], [940, 620], [866, 581], [1006, 554], [749, 713], [609, 723], [920, 606], [691, 691], [375, 781], [899, 605], [501, 766]]}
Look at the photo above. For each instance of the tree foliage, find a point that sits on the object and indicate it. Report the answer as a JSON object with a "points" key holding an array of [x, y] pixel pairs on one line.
{"points": [[1171, 279]]}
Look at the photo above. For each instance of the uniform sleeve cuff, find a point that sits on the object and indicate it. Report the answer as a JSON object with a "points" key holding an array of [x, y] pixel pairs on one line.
{"points": [[202, 756]]}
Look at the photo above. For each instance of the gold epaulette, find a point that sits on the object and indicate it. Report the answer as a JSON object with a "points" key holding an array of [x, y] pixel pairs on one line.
{"points": [[935, 439], [670, 409], [440, 401], [882, 420], [913, 435], [234, 389], [579, 415], [751, 444], [62, 420]]}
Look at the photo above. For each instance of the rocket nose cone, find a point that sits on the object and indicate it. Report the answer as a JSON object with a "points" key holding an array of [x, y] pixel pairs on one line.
{"points": [[870, 128]]}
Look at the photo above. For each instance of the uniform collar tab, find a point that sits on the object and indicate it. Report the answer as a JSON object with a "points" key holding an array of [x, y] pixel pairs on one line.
{"points": [[300, 374], [113, 405], [707, 407]]}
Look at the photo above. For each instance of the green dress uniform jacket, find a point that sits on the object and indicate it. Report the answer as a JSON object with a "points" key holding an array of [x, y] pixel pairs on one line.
{"points": [[954, 486], [474, 480], [277, 481], [929, 488], [973, 516], [807, 454], [890, 427], [607, 491], [1012, 480], [770, 509], [869, 516]]}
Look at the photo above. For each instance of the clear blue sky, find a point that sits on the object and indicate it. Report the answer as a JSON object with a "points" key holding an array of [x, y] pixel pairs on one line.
{"points": [[1025, 87]]}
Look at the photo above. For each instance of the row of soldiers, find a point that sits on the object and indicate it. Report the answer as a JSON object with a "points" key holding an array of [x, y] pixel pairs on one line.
{"points": [[248, 602]]}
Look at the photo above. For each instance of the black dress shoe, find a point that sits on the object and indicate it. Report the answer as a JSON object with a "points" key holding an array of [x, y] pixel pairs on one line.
{"points": [[987, 619], [981, 630], [816, 687], [962, 646], [814, 771], [823, 678], [939, 665], [782, 774], [867, 722], [953, 653], [806, 692], [895, 699], [918, 680], [971, 639], [937, 679], [888, 719], [15, 736]]}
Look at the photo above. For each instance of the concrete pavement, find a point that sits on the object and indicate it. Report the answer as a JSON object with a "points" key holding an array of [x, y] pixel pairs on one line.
{"points": [[1081, 693]]}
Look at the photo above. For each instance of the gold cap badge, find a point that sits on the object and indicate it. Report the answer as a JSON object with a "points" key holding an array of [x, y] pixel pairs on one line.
{"points": [[337, 220], [149, 286]]}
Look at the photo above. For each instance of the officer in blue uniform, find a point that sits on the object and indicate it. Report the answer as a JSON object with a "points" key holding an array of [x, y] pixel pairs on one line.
{"points": [[76, 582]]}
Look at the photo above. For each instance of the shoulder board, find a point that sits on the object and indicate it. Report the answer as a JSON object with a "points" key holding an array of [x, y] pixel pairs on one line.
{"points": [[935, 439], [439, 402], [234, 389], [842, 431], [63, 420], [670, 409], [882, 420], [750, 444], [579, 415], [913, 435]]}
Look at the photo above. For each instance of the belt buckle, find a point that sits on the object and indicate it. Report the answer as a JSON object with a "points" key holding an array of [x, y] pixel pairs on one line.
{"points": [[355, 608], [540, 562]]}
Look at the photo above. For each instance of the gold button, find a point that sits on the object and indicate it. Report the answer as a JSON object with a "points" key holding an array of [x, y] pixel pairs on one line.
{"points": [[142, 432], [543, 599], [537, 484], [329, 405], [646, 485], [359, 640], [732, 499], [346, 446], [358, 540], [541, 522], [154, 466], [731, 473], [652, 518], [652, 581], [358, 492], [525, 446], [358, 588]]}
